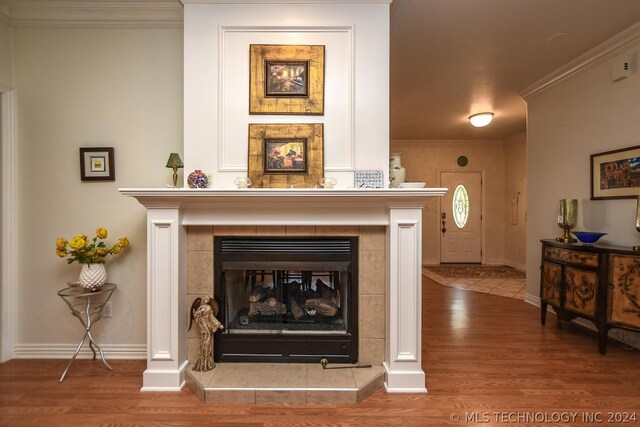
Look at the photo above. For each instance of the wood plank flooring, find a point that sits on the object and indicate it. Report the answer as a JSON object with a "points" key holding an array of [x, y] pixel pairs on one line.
{"points": [[483, 354]]}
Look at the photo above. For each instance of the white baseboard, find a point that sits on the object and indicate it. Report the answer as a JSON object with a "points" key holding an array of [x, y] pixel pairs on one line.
{"points": [[532, 299], [65, 351]]}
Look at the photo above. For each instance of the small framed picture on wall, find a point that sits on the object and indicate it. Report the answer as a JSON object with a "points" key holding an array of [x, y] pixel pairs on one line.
{"points": [[97, 164]]}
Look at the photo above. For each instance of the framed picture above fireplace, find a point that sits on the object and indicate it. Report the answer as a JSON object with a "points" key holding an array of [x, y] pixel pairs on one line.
{"points": [[286, 79], [286, 155]]}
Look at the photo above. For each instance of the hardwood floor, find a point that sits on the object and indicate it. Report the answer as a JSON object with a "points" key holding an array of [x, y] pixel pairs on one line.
{"points": [[483, 355]]}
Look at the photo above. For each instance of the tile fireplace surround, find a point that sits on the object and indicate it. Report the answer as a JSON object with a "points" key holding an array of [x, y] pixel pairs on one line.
{"points": [[181, 222]]}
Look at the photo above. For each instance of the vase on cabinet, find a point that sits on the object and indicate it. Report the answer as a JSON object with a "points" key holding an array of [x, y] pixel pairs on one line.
{"points": [[397, 173], [92, 276]]}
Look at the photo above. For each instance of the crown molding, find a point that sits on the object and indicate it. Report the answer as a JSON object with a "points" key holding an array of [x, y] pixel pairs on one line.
{"points": [[122, 13], [286, 1], [602, 52], [95, 14], [394, 4]]}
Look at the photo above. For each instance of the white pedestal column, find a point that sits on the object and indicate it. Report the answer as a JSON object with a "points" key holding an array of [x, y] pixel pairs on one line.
{"points": [[403, 361], [166, 295]]}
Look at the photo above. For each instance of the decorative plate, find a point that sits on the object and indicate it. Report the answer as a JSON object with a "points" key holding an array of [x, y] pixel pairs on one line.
{"points": [[197, 179]]}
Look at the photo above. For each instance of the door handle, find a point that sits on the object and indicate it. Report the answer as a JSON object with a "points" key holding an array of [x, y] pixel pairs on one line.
{"points": [[443, 215]]}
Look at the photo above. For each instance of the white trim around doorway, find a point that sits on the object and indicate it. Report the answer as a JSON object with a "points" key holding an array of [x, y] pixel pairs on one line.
{"points": [[9, 218]]}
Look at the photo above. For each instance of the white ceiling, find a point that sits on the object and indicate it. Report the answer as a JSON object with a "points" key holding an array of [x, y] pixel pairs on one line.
{"points": [[454, 58]]}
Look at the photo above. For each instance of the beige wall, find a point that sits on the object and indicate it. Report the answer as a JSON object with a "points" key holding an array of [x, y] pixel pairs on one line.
{"points": [[583, 115], [89, 87], [424, 160], [6, 53], [515, 150]]}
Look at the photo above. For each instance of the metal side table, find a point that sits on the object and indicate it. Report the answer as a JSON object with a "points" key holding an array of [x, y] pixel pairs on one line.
{"points": [[88, 312]]}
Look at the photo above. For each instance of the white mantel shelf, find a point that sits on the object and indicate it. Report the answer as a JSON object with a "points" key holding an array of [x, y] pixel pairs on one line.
{"points": [[205, 196], [287, 206], [170, 210]]}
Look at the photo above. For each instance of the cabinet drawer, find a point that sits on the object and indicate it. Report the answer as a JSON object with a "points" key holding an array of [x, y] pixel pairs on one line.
{"points": [[624, 292], [550, 283], [570, 256], [580, 291]]}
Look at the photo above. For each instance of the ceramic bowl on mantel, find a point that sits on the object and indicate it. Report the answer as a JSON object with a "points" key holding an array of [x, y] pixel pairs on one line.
{"points": [[588, 236]]}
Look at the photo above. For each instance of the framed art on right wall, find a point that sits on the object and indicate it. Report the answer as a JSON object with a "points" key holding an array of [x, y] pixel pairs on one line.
{"points": [[616, 174]]}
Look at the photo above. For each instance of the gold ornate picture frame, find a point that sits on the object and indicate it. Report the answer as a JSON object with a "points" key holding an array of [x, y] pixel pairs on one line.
{"points": [[286, 79], [286, 155]]}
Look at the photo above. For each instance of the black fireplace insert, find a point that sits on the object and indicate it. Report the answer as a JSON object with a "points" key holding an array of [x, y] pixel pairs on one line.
{"points": [[286, 299]]}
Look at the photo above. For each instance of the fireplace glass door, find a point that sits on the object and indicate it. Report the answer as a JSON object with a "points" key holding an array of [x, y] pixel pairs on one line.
{"points": [[286, 299]]}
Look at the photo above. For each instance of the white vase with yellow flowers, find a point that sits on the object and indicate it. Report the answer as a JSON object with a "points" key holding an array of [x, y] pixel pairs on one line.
{"points": [[91, 254]]}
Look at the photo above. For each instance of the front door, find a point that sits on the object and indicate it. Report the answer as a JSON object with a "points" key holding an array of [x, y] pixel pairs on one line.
{"points": [[461, 217]]}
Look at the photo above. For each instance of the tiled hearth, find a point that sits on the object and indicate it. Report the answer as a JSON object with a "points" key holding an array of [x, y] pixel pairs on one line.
{"points": [[284, 383], [301, 382]]}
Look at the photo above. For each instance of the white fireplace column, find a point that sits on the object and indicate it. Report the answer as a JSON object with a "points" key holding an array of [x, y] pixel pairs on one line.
{"points": [[403, 359], [166, 299]]}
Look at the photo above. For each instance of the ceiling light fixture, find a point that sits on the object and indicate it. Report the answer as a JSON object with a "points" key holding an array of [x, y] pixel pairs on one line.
{"points": [[481, 119]]}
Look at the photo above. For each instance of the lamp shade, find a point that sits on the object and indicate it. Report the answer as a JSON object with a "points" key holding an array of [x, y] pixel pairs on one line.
{"points": [[174, 161], [481, 119]]}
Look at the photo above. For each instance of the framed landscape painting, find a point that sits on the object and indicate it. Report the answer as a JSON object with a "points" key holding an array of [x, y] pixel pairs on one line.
{"points": [[286, 155], [286, 79], [616, 174]]}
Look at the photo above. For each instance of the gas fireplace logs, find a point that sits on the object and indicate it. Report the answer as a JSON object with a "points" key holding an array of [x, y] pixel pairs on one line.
{"points": [[324, 300], [269, 307], [258, 294]]}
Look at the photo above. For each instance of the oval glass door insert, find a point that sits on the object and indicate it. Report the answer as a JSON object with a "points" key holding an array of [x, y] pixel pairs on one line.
{"points": [[460, 206]]}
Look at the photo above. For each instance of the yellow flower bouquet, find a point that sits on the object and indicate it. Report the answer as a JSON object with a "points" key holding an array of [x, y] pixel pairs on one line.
{"points": [[89, 252]]}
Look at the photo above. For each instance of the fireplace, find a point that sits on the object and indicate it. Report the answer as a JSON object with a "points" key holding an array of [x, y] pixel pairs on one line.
{"points": [[388, 227], [287, 299]]}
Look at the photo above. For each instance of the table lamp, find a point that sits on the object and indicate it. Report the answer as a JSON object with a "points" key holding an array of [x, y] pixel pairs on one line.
{"points": [[175, 162]]}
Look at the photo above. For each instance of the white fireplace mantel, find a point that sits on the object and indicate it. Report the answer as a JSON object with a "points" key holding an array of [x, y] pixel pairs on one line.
{"points": [[170, 210]]}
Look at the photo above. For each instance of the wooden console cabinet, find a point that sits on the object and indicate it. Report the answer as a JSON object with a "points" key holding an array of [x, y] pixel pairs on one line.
{"points": [[596, 282]]}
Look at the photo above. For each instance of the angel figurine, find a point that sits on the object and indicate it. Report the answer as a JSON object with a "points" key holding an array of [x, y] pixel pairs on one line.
{"points": [[204, 312]]}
